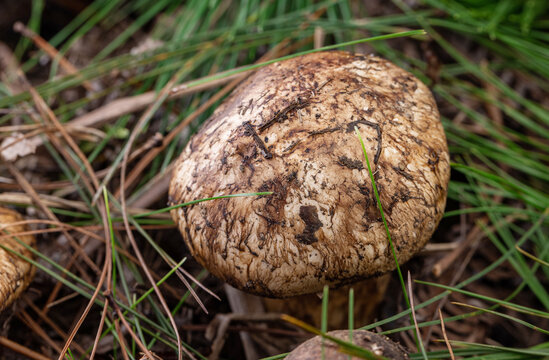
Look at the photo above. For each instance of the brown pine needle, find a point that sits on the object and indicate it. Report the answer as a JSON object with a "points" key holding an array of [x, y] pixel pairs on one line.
{"points": [[418, 334], [20, 349], [105, 275], [445, 336], [51, 51], [38, 330]]}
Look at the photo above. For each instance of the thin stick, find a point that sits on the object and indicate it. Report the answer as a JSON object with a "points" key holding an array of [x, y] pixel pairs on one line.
{"points": [[122, 342], [20, 349], [131, 104], [445, 336], [51, 51], [105, 274], [50, 302], [51, 323], [85, 312], [100, 329], [418, 334], [37, 329]]}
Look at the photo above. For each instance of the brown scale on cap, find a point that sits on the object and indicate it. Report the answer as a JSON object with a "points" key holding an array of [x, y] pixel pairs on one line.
{"points": [[15, 273], [289, 129]]}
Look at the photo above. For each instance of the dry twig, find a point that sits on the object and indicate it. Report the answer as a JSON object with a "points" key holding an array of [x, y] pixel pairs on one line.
{"points": [[445, 336], [20, 349], [51, 51]]}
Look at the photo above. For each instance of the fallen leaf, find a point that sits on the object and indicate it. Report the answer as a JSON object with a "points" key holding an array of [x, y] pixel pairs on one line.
{"points": [[16, 145]]}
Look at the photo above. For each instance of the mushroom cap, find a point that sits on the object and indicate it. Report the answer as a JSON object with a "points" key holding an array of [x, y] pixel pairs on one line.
{"points": [[378, 344], [15, 273], [289, 129]]}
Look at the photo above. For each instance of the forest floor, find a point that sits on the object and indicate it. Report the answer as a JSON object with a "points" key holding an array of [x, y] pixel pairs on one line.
{"points": [[486, 268]]}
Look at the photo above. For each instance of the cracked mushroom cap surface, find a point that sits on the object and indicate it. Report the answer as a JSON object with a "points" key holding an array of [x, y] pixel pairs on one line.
{"points": [[289, 130], [15, 273], [378, 344]]}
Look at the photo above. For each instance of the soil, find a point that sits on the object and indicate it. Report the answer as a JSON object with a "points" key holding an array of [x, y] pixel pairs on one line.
{"points": [[42, 319]]}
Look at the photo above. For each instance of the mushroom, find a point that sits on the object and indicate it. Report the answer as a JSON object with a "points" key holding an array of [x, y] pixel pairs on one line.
{"points": [[379, 345], [15, 273], [368, 296], [290, 130]]}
